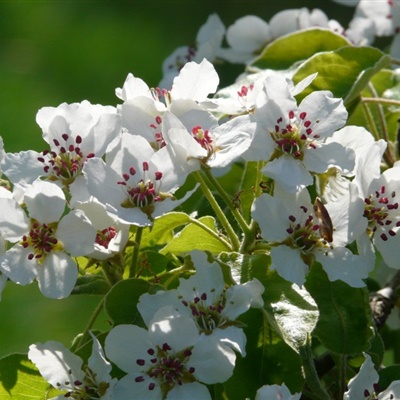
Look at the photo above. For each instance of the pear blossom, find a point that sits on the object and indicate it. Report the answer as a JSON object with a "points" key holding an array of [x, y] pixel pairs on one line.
{"points": [[111, 234], [379, 193], [170, 360], [246, 38], [65, 371], [384, 13], [365, 385], [299, 235], [335, 182], [136, 184], [204, 298], [276, 392], [75, 132], [216, 147], [292, 138], [45, 241], [208, 42]]}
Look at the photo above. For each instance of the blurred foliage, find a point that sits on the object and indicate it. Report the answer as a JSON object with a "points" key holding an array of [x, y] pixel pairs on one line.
{"points": [[68, 51]]}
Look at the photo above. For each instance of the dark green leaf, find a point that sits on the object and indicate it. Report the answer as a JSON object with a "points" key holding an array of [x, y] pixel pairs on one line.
{"points": [[91, 284], [120, 303], [345, 321]]}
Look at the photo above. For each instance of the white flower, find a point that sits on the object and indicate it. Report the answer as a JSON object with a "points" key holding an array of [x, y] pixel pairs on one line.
{"points": [[365, 385], [111, 236], [75, 132], [246, 37], [384, 13], [381, 207], [169, 360], [44, 242], [203, 297], [64, 371], [216, 147], [292, 138], [208, 42], [334, 183], [300, 235], [137, 183], [276, 392]]}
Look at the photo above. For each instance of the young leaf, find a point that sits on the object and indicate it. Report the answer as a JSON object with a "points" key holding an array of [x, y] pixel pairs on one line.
{"points": [[345, 72], [20, 380], [193, 237], [283, 52]]}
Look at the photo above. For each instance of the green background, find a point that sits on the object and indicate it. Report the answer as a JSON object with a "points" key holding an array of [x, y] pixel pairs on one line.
{"points": [[68, 51]]}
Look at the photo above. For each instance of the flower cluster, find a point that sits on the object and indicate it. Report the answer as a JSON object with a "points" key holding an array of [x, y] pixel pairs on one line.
{"points": [[106, 204]]}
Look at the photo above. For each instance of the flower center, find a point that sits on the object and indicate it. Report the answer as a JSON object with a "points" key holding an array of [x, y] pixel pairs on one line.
{"points": [[306, 234], [182, 59], [294, 137], [41, 240], [67, 162], [87, 390], [207, 316], [204, 138], [104, 237], [379, 210], [143, 193], [166, 367]]}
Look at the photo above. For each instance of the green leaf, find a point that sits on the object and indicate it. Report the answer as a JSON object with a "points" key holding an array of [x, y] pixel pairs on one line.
{"points": [[388, 375], [193, 237], [282, 53], [163, 228], [345, 72], [120, 303], [290, 309], [20, 380], [269, 360], [91, 284], [345, 321]]}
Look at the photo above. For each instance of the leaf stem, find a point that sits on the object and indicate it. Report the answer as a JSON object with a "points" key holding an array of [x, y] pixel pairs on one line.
{"points": [[85, 334], [228, 201], [135, 253], [218, 211], [310, 373]]}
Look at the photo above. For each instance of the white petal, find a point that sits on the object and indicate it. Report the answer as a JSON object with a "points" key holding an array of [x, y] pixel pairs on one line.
{"points": [[192, 391], [272, 392], [288, 173], [213, 361], [288, 264], [56, 364], [129, 388], [16, 265], [76, 233], [364, 380], [57, 275], [340, 263], [98, 363], [195, 81], [45, 201], [327, 155], [271, 217], [233, 337], [127, 343], [248, 33], [168, 326], [13, 221]]}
